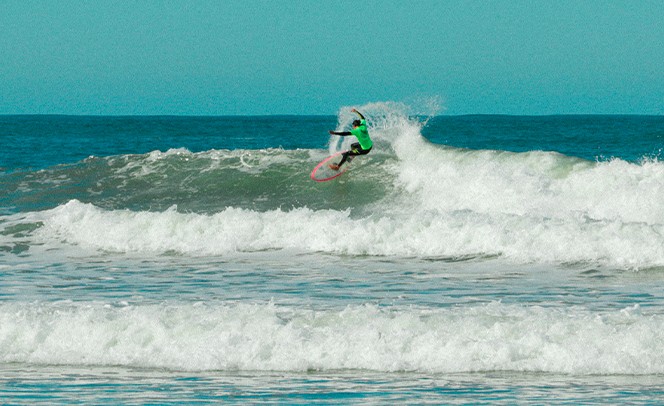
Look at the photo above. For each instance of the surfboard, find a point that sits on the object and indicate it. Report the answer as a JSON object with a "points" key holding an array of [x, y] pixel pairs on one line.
{"points": [[323, 173]]}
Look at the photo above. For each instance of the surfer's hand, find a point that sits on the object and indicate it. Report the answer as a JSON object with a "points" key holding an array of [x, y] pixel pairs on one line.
{"points": [[331, 132], [354, 110]]}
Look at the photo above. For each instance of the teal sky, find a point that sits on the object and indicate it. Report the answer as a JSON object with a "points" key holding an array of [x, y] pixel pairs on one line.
{"points": [[230, 57]]}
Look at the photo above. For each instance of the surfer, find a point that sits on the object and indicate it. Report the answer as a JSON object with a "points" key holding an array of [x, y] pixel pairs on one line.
{"points": [[357, 148]]}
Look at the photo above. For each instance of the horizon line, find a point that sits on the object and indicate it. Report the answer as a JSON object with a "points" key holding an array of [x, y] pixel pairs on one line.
{"points": [[317, 115]]}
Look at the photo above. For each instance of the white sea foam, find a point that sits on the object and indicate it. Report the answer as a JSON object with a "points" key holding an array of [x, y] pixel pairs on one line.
{"points": [[494, 337], [429, 233]]}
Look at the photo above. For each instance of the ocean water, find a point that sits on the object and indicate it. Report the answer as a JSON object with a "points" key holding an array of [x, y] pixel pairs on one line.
{"points": [[470, 259]]}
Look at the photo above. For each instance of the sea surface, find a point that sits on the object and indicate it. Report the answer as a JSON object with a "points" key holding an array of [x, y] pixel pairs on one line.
{"points": [[466, 259]]}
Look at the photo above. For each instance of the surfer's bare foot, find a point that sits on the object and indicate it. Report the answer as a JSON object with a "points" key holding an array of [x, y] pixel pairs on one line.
{"points": [[334, 167]]}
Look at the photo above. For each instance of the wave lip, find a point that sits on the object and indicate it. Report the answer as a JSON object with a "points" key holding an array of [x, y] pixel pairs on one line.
{"points": [[266, 337]]}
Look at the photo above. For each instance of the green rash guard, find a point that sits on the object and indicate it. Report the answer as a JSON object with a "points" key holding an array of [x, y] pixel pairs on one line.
{"points": [[362, 135]]}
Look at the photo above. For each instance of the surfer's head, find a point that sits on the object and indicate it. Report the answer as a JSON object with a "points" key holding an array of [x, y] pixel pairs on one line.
{"points": [[357, 123]]}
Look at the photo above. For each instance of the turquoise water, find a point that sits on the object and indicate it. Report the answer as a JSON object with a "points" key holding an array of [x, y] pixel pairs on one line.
{"points": [[472, 259]]}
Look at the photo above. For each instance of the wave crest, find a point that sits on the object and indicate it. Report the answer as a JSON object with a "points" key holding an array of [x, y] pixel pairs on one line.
{"points": [[494, 337]]}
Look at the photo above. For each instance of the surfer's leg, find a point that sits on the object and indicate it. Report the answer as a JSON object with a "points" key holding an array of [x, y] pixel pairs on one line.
{"points": [[344, 158], [355, 149]]}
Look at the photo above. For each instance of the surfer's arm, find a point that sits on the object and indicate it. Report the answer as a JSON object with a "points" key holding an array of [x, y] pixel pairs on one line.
{"points": [[342, 133], [359, 114]]}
